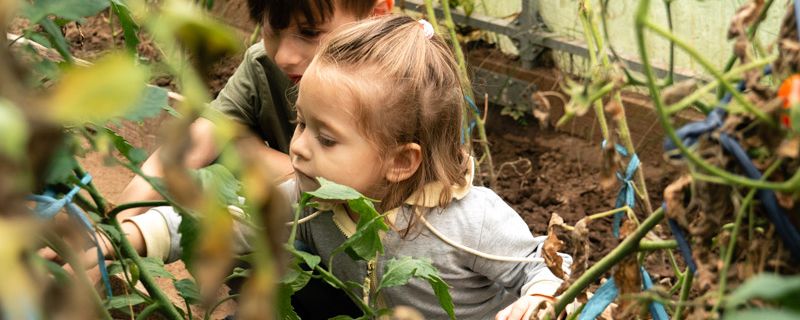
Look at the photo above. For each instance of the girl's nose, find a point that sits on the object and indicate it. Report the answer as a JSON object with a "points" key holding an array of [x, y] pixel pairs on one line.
{"points": [[298, 148]]}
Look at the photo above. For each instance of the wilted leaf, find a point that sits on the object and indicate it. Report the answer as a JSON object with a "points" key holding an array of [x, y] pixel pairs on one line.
{"points": [[188, 290], [399, 272], [770, 287], [13, 129], [552, 245], [98, 93], [67, 9]]}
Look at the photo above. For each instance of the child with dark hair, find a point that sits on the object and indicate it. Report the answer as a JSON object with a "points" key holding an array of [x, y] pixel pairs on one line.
{"points": [[257, 94]]}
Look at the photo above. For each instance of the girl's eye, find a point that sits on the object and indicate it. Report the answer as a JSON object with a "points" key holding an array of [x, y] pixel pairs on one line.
{"points": [[325, 142], [301, 125]]}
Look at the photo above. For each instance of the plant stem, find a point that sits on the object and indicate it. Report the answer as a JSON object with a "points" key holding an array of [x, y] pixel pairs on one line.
{"points": [[431, 15], [608, 213], [63, 250], [216, 305], [98, 199], [621, 119], [716, 73], [685, 290], [147, 311], [650, 245], [145, 277], [466, 86], [137, 204], [730, 75], [785, 186], [626, 247], [728, 257], [327, 276]]}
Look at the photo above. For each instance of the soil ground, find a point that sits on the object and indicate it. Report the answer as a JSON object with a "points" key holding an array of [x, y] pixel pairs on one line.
{"points": [[540, 171]]}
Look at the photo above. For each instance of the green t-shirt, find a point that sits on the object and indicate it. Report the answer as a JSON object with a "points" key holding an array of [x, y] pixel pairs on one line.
{"points": [[257, 96]]}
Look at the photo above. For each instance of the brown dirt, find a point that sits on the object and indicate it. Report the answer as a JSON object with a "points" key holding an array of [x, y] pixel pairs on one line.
{"points": [[564, 179]]}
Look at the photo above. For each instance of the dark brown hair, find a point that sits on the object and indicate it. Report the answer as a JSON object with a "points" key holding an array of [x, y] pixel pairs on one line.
{"points": [[406, 87], [278, 13]]}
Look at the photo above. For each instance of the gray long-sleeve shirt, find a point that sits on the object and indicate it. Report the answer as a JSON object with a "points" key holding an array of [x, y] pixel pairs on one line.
{"points": [[477, 218]]}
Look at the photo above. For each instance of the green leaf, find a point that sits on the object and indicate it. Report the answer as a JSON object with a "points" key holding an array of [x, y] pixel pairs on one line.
{"points": [[342, 317], [135, 155], [400, 271], [190, 232], [768, 287], [285, 308], [57, 38], [61, 165], [105, 90], [329, 190], [149, 105], [67, 9], [218, 180], [365, 243], [762, 314], [296, 278], [155, 267], [123, 302], [14, 130], [309, 259], [129, 27], [188, 290]]}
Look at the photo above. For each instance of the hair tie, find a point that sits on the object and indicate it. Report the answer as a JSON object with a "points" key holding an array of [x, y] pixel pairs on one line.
{"points": [[427, 28]]}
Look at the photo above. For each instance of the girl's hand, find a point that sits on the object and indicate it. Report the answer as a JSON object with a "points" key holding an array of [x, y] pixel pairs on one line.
{"points": [[523, 308]]}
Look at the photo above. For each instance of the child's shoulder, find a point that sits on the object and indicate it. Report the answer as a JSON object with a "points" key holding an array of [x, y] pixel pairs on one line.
{"points": [[481, 200]]}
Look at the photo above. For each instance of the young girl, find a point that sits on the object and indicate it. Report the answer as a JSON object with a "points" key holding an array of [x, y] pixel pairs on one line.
{"points": [[380, 110]]}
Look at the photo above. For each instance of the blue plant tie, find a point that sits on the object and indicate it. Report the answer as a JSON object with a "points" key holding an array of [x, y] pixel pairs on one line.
{"points": [[776, 215], [47, 207], [688, 134], [468, 131], [683, 245], [606, 294], [656, 308], [601, 299], [627, 194]]}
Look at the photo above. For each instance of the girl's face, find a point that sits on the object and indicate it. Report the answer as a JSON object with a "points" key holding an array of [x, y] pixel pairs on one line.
{"points": [[293, 48], [327, 142]]}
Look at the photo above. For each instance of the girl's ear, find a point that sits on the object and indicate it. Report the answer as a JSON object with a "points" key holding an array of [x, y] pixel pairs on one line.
{"points": [[382, 7], [404, 162]]}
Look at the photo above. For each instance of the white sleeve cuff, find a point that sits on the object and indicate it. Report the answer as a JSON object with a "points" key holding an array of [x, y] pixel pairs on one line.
{"points": [[155, 232]]}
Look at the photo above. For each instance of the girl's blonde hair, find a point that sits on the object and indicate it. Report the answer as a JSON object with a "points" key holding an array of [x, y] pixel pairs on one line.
{"points": [[407, 89]]}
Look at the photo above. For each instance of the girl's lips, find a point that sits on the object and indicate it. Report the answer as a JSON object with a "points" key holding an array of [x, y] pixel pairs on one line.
{"points": [[295, 78]]}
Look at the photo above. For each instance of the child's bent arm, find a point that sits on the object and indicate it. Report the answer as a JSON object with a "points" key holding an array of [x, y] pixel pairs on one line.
{"points": [[202, 153]]}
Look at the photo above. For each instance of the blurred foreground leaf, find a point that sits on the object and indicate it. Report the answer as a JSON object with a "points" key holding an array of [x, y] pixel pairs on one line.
{"points": [[13, 129], [769, 287], [66, 9], [107, 89]]}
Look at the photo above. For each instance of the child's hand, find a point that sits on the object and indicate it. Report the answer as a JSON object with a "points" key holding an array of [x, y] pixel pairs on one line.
{"points": [[523, 308]]}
